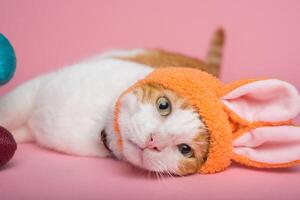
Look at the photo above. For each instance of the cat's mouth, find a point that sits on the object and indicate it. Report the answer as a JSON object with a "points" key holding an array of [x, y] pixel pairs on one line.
{"points": [[142, 153], [142, 156]]}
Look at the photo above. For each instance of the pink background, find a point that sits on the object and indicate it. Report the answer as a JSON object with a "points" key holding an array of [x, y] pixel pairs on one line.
{"points": [[262, 41]]}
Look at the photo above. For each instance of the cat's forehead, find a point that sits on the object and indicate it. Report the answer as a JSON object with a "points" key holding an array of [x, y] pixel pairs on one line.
{"points": [[150, 92]]}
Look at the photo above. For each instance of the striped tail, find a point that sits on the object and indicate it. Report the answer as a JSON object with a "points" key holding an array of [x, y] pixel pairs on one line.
{"points": [[214, 55]]}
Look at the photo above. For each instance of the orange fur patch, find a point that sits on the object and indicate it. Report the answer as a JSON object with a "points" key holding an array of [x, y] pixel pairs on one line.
{"points": [[158, 58], [200, 147]]}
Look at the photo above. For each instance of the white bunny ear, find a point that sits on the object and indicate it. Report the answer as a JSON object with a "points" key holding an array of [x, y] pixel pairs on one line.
{"points": [[269, 146], [268, 100]]}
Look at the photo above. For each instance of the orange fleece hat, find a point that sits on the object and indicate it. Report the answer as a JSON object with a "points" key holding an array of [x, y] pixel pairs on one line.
{"points": [[249, 121]]}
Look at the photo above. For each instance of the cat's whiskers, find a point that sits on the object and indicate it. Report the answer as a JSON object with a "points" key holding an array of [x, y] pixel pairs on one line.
{"points": [[165, 170], [158, 172]]}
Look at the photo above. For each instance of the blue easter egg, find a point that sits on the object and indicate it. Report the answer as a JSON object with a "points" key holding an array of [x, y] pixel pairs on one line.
{"points": [[7, 60]]}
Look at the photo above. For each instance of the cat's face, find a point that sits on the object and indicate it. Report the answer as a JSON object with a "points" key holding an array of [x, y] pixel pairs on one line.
{"points": [[161, 132]]}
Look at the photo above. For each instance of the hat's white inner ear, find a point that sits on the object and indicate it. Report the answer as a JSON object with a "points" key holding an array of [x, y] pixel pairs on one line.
{"points": [[266, 100], [273, 144]]}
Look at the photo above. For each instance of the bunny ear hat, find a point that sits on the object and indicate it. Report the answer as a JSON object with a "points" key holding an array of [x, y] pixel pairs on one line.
{"points": [[249, 121]]}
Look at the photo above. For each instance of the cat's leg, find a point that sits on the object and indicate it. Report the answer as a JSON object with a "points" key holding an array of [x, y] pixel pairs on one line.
{"points": [[69, 131], [23, 134], [16, 107]]}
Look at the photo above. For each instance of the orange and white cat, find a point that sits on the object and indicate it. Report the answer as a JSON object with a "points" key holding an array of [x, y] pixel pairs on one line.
{"points": [[69, 109]]}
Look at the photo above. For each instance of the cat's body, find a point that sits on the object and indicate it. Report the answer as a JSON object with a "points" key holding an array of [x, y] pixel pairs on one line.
{"points": [[68, 109]]}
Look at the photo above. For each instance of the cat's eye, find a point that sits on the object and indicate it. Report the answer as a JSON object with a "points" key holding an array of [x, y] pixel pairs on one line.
{"points": [[163, 105], [185, 150]]}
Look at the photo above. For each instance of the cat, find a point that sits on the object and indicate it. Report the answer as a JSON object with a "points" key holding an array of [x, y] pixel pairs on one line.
{"points": [[72, 110]]}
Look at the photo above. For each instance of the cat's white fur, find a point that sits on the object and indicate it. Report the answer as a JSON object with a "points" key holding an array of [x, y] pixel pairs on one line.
{"points": [[66, 111]]}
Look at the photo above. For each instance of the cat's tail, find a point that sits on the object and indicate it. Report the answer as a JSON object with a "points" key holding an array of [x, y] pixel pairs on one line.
{"points": [[214, 55], [15, 110]]}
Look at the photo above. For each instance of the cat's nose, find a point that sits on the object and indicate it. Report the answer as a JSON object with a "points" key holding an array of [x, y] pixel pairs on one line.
{"points": [[152, 143]]}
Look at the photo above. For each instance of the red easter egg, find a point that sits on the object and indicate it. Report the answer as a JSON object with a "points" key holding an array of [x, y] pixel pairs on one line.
{"points": [[8, 146]]}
